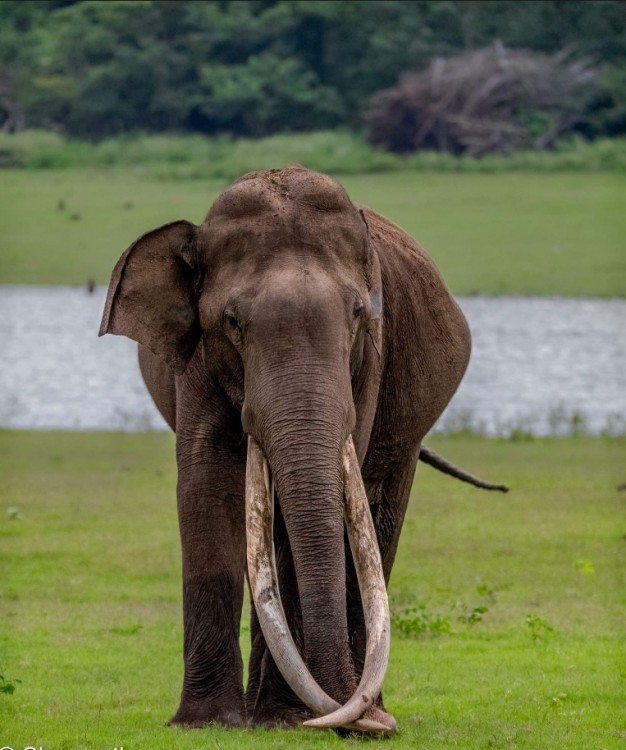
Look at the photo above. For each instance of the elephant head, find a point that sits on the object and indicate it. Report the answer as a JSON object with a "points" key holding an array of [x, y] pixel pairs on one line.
{"points": [[274, 303]]}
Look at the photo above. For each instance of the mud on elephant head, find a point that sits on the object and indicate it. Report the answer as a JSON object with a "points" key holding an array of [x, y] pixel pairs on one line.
{"points": [[301, 348]]}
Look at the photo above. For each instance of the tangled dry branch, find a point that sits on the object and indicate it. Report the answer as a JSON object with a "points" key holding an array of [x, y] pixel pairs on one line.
{"points": [[493, 100]]}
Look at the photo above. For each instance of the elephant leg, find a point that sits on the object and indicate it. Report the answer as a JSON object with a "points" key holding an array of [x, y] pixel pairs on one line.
{"points": [[212, 528], [388, 500], [257, 651], [269, 698]]}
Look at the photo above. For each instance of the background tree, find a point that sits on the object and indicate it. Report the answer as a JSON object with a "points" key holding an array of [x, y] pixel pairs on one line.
{"points": [[253, 67]]}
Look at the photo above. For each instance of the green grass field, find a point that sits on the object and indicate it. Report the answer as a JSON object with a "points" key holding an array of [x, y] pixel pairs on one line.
{"points": [[509, 610], [510, 233]]}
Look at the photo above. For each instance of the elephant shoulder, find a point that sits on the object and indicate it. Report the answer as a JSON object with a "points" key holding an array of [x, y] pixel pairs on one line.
{"points": [[400, 254], [412, 281], [426, 339]]}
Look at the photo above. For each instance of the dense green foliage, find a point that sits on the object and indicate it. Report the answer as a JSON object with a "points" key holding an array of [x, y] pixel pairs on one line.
{"points": [[253, 67], [508, 611], [559, 233]]}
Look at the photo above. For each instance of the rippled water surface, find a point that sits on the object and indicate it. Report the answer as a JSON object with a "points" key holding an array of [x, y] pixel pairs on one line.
{"points": [[546, 366]]}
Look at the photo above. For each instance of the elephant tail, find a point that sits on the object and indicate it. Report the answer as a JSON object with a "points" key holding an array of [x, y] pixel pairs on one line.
{"points": [[433, 459]]}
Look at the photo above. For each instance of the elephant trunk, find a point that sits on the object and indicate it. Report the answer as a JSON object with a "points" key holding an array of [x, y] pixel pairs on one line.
{"points": [[306, 450], [303, 442]]}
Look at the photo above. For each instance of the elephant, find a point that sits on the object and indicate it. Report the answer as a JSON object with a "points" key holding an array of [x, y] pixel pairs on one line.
{"points": [[300, 347]]}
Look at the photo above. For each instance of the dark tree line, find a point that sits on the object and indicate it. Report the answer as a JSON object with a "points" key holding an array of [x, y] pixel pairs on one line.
{"points": [[252, 67]]}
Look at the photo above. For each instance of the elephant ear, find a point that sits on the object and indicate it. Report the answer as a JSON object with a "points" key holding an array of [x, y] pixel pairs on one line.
{"points": [[374, 276], [152, 295]]}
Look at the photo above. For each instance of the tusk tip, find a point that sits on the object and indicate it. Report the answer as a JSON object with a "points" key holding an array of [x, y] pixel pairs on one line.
{"points": [[365, 726]]}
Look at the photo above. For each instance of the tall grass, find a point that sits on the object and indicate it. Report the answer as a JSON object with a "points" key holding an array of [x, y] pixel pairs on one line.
{"points": [[336, 152], [194, 156]]}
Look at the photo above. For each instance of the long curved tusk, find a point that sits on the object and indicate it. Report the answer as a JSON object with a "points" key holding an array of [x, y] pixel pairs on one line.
{"points": [[264, 583], [369, 569], [266, 595]]}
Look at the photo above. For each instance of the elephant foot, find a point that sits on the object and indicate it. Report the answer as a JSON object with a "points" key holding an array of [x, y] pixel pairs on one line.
{"points": [[198, 714], [273, 703], [374, 721], [284, 719], [280, 716]]}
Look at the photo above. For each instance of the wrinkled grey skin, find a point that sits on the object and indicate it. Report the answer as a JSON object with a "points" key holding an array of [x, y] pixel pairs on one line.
{"points": [[291, 316]]}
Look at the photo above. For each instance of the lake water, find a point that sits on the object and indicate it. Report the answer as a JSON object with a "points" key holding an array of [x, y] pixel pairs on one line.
{"points": [[543, 366]]}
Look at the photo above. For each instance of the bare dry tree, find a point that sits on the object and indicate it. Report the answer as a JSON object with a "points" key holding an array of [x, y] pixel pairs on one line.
{"points": [[493, 100]]}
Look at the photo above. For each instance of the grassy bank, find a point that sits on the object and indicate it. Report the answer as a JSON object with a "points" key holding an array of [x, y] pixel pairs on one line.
{"points": [[526, 233], [508, 610], [336, 152]]}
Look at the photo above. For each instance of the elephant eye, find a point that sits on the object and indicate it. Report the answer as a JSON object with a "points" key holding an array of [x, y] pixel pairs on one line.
{"points": [[359, 310], [230, 320]]}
